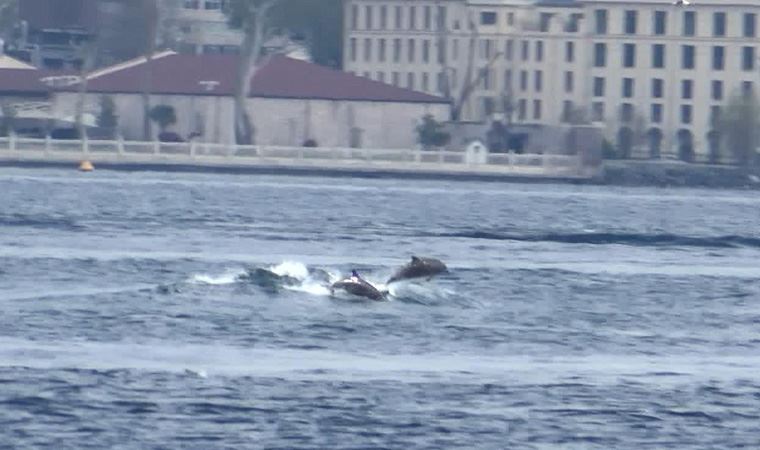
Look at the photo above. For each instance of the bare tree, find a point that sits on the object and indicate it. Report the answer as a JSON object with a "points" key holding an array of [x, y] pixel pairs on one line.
{"points": [[253, 18], [473, 75], [88, 52], [150, 13]]}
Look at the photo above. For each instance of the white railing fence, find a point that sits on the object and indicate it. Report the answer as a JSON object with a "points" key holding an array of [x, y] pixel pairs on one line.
{"points": [[200, 153]]}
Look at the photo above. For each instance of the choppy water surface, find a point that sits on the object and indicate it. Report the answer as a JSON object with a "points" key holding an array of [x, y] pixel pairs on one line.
{"points": [[134, 314]]}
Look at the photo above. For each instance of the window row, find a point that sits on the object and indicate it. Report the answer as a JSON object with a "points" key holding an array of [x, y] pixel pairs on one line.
{"points": [[656, 88], [400, 50], [628, 114], [383, 17], [659, 23], [688, 56]]}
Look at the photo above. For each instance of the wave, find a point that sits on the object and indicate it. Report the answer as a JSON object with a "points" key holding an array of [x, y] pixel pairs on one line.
{"points": [[229, 277], [33, 221], [632, 239]]}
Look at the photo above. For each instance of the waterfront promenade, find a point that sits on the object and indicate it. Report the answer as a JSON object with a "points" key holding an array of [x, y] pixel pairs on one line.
{"points": [[118, 154]]}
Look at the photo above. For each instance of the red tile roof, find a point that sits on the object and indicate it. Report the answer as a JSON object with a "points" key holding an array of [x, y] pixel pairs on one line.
{"points": [[281, 77], [23, 82]]}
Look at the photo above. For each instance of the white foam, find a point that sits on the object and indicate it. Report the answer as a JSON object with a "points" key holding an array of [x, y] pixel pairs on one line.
{"points": [[291, 269], [228, 277]]}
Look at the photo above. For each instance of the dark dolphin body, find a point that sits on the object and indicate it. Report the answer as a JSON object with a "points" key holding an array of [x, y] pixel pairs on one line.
{"points": [[356, 285], [419, 268]]}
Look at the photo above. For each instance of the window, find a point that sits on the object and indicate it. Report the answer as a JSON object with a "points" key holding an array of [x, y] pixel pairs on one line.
{"points": [[486, 79], [749, 24], [747, 87], [715, 115], [510, 19], [748, 58], [569, 82], [597, 112], [383, 17], [508, 49], [507, 80], [368, 49], [521, 107], [488, 106], [368, 17], [212, 4], [455, 49], [657, 87], [536, 109], [544, 22], [192, 4], [687, 87], [686, 114], [412, 18], [425, 81], [525, 50], [569, 52], [410, 80], [486, 48], [719, 57], [397, 50], [538, 80], [717, 90], [719, 24], [629, 22], [539, 51], [660, 23], [598, 87], [689, 23], [628, 87], [426, 51], [629, 55], [352, 49], [441, 18], [658, 56], [395, 78], [428, 18], [600, 54], [523, 80], [411, 50], [381, 50], [354, 17], [600, 21], [656, 113], [399, 17], [488, 18], [687, 57], [626, 112], [567, 110]]}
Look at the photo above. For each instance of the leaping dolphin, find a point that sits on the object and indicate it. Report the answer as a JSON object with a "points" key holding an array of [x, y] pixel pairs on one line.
{"points": [[357, 285], [419, 268]]}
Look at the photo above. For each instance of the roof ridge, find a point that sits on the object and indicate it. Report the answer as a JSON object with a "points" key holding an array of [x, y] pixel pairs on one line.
{"points": [[128, 64]]}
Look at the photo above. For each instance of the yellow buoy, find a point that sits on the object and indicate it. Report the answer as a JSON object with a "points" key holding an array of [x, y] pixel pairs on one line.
{"points": [[86, 166]]}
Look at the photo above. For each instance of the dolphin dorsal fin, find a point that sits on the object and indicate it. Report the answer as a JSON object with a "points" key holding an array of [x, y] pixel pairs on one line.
{"points": [[415, 259]]}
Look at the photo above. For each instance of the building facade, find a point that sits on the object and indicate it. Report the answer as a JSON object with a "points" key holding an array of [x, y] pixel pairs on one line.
{"points": [[654, 75], [200, 27]]}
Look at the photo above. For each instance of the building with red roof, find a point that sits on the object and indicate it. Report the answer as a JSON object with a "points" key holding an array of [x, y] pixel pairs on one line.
{"points": [[291, 101]]}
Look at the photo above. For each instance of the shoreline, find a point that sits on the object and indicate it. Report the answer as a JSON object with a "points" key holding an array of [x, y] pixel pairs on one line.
{"points": [[630, 173]]}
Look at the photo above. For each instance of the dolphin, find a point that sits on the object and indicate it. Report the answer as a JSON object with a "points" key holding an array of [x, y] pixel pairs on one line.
{"points": [[356, 285], [419, 268]]}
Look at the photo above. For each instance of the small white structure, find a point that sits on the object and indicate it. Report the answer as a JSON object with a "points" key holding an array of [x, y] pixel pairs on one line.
{"points": [[476, 153]]}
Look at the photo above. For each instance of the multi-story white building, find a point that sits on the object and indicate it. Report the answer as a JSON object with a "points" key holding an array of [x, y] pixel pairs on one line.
{"points": [[652, 73], [201, 28]]}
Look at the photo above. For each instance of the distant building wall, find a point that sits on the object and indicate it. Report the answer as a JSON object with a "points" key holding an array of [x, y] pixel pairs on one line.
{"points": [[330, 123], [278, 121]]}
